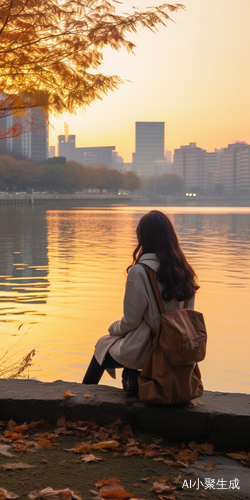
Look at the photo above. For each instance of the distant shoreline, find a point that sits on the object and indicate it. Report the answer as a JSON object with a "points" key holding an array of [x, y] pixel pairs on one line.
{"points": [[83, 199]]}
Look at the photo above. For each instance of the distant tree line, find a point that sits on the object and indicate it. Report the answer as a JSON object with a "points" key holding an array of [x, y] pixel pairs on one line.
{"points": [[163, 185], [17, 173]]}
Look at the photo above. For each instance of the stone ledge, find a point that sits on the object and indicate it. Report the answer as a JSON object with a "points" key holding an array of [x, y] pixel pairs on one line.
{"points": [[224, 418]]}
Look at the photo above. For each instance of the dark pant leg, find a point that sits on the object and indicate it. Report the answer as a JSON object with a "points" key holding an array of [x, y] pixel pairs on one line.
{"points": [[95, 371]]}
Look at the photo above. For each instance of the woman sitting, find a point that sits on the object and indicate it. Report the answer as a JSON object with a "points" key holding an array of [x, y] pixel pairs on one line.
{"points": [[131, 337]]}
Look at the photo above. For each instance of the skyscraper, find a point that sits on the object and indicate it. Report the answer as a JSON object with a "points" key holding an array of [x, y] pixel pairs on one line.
{"points": [[190, 163], [34, 143], [149, 147]]}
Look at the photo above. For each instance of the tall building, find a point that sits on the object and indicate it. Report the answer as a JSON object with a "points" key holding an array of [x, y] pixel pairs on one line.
{"points": [[190, 163], [34, 143], [149, 147], [212, 172], [243, 162], [85, 156], [234, 168], [52, 151]]}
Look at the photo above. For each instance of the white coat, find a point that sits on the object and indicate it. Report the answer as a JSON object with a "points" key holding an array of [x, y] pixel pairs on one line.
{"points": [[129, 339]]}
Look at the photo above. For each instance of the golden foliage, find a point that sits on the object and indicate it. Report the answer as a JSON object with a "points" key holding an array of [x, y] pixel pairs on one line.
{"points": [[51, 50]]}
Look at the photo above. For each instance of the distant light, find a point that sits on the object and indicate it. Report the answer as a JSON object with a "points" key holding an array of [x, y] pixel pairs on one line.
{"points": [[190, 194], [187, 194], [194, 194]]}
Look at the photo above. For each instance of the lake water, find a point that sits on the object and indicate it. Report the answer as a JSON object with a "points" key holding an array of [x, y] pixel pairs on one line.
{"points": [[62, 277]]}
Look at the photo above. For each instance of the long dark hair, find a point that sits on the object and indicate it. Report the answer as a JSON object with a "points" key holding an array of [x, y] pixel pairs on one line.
{"points": [[156, 234]]}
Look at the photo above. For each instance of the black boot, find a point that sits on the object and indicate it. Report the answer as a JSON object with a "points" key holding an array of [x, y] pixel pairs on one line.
{"points": [[130, 381]]}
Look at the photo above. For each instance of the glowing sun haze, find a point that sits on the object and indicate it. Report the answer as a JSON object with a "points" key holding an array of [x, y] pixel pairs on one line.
{"points": [[193, 75]]}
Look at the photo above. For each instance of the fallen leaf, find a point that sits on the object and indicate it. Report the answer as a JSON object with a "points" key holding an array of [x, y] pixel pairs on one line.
{"points": [[203, 449], [145, 479], [60, 422], [240, 455], [133, 450], [114, 491], [159, 487], [133, 443], [92, 458], [16, 466], [43, 462], [3, 450], [11, 425], [187, 455], [50, 494], [208, 466], [177, 464], [192, 404], [52, 438], [87, 396], [106, 444], [136, 484], [7, 494], [45, 443], [103, 482], [82, 448], [177, 480], [68, 394], [20, 447], [21, 428]]}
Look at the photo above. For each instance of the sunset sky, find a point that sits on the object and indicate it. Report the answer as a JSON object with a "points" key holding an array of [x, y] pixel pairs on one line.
{"points": [[193, 75]]}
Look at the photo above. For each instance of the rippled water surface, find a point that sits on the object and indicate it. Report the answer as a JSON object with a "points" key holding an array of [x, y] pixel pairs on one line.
{"points": [[62, 277]]}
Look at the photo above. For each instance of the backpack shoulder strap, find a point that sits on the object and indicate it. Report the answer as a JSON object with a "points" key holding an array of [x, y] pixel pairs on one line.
{"points": [[155, 287]]}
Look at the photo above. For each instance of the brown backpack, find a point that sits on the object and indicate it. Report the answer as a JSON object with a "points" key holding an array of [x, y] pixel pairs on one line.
{"points": [[170, 374]]}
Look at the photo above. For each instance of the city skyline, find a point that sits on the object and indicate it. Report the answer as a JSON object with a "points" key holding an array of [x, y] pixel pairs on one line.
{"points": [[193, 75]]}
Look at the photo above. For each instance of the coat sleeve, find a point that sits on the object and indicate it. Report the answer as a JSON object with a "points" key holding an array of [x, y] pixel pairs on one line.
{"points": [[134, 306]]}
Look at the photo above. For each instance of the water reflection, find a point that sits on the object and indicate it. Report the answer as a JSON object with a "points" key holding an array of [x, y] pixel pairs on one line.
{"points": [[23, 255], [77, 260]]}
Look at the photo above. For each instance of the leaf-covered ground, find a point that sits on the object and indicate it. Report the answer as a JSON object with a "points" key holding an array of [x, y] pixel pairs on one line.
{"points": [[134, 466]]}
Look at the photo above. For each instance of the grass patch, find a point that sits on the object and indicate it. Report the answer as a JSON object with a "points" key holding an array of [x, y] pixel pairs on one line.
{"points": [[66, 470]]}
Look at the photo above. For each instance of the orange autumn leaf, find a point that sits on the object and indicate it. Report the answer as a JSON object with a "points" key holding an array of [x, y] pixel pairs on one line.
{"points": [[103, 482], [21, 428], [82, 448], [52, 439], [68, 394], [114, 491], [187, 455], [106, 444], [87, 396], [15, 436], [203, 449], [210, 465], [20, 447], [45, 443]]}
